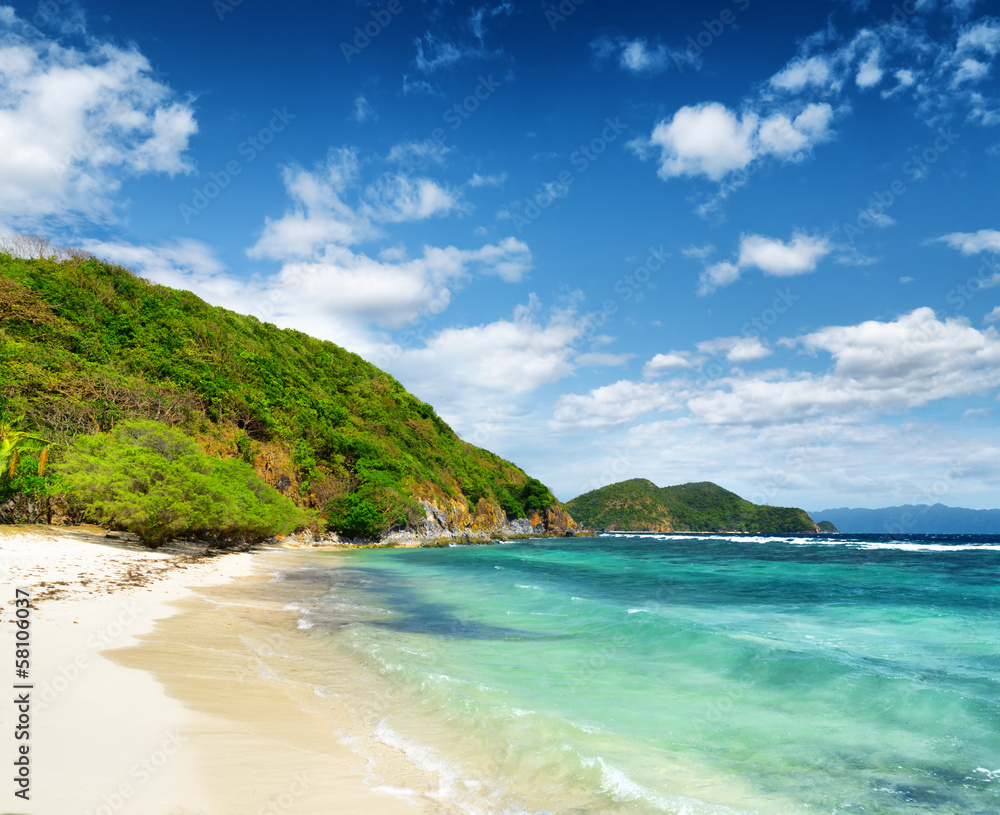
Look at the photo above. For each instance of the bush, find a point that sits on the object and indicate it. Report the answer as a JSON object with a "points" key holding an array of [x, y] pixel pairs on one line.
{"points": [[153, 480], [354, 517]]}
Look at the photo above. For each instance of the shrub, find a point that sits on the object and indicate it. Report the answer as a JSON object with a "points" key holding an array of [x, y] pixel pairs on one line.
{"points": [[153, 480]]}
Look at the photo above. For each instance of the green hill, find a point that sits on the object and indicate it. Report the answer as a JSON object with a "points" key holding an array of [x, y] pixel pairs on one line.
{"points": [[639, 505], [86, 346]]}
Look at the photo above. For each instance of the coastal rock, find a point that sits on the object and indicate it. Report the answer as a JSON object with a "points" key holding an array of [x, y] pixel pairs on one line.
{"points": [[443, 522]]}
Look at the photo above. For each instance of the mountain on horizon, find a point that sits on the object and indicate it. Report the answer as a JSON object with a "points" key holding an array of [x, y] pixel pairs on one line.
{"points": [[638, 505], [913, 519]]}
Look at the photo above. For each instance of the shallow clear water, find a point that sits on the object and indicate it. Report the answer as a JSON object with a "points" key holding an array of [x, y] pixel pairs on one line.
{"points": [[658, 673]]}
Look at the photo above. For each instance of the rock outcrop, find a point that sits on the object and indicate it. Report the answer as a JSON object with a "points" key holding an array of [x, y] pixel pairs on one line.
{"points": [[454, 522]]}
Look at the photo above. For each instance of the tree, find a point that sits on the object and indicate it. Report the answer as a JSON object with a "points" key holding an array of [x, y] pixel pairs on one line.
{"points": [[151, 479], [13, 442]]}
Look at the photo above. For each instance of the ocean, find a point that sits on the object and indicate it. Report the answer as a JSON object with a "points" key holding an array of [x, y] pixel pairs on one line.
{"points": [[656, 673]]}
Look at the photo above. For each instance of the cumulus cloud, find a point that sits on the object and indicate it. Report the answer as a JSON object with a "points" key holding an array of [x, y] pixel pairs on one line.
{"points": [[664, 363], [774, 257], [398, 198], [639, 58], [75, 121], [802, 73], [613, 405], [513, 356], [707, 139], [321, 214], [878, 368], [786, 117], [636, 56], [714, 141], [791, 139], [971, 243], [870, 71], [736, 349], [716, 276]]}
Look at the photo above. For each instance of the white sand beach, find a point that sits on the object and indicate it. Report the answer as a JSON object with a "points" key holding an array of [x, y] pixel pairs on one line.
{"points": [[183, 724]]}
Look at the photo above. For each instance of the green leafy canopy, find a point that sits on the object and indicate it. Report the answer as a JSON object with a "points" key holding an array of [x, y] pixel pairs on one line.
{"points": [[151, 479]]}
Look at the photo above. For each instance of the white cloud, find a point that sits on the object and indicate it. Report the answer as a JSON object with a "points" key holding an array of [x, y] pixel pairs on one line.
{"points": [[878, 369], [993, 316], [801, 73], [716, 276], [969, 71], [906, 279], [869, 71], [700, 252], [772, 256], [780, 259], [478, 17], [596, 359], [736, 349], [514, 356], [636, 56], [319, 213], [434, 54], [613, 405], [398, 198], [982, 37], [74, 123], [792, 139], [970, 243], [711, 140], [418, 154], [478, 180], [706, 139], [664, 363], [363, 111]]}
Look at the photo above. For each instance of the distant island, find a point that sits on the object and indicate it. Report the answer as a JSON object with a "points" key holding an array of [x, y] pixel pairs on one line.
{"points": [[925, 519], [638, 505]]}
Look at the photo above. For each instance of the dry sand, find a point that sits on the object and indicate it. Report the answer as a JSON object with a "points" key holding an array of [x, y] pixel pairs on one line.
{"points": [[183, 724]]}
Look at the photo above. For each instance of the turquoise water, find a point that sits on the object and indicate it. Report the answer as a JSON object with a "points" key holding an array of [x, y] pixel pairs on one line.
{"points": [[650, 674]]}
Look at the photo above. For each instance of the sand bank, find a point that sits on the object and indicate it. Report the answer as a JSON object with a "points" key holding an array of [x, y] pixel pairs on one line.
{"points": [[134, 711]]}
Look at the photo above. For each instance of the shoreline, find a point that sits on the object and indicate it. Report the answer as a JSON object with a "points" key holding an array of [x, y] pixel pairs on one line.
{"points": [[133, 712]]}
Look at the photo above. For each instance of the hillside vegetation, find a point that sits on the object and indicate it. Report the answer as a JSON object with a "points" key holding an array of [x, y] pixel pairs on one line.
{"points": [[639, 505], [85, 346]]}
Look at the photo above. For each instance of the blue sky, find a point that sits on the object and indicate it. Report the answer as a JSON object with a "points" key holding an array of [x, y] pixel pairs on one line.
{"points": [[742, 241]]}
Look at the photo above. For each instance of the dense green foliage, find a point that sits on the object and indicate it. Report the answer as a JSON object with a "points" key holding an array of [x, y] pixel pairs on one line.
{"points": [[640, 505], [151, 479], [85, 345], [827, 527], [26, 482]]}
